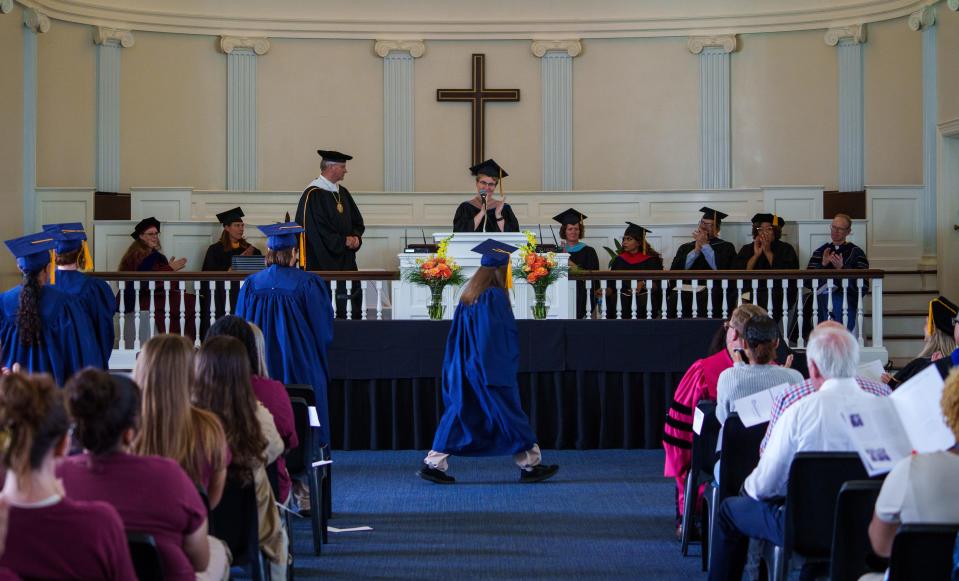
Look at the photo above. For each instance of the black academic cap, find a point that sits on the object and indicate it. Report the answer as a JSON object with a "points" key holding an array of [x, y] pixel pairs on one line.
{"points": [[494, 253], [714, 215], [636, 231], [941, 313], [489, 168], [334, 156], [230, 216], [570, 216], [143, 225], [774, 219]]}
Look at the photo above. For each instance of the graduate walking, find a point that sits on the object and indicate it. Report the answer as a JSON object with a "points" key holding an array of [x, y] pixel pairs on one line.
{"points": [[483, 414]]}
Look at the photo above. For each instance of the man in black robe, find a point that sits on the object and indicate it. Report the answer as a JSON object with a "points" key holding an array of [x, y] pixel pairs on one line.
{"points": [[707, 251], [219, 258], [482, 213], [334, 228]]}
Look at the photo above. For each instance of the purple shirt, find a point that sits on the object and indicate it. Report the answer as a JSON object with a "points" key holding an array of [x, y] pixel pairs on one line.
{"points": [[68, 540], [152, 494], [272, 394]]}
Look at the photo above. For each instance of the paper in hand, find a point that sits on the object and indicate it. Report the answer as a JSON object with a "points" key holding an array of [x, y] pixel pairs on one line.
{"points": [[758, 408], [872, 370], [314, 417], [698, 417]]}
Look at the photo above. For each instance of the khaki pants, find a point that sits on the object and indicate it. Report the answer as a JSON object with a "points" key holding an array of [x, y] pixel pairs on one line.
{"points": [[525, 460]]}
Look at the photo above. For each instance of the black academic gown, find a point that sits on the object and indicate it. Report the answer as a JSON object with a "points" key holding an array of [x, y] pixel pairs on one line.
{"points": [[327, 228], [584, 259], [784, 258], [219, 259], [724, 252], [627, 262], [466, 213]]}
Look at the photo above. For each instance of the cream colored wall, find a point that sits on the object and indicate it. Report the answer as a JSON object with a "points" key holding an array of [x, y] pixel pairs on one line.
{"points": [[319, 94], [947, 39], [66, 107], [785, 116], [173, 112], [892, 59], [636, 115], [11, 145], [513, 130]]}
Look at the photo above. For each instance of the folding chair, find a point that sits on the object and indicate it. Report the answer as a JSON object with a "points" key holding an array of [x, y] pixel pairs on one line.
{"points": [[235, 521], [815, 479], [299, 463], [701, 466], [851, 549], [922, 552], [321, 450], [146, 556]]}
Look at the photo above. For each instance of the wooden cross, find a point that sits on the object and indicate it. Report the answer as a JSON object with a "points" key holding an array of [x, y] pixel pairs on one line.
{"points": [[478, 95]]}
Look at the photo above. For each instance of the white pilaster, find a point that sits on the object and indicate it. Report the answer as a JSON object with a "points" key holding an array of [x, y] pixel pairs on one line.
{"points": [[35, 23], [924, 21], [849, 41], [714, 108], [398, 57], [241, 54], [557, 81], [109, 41]]}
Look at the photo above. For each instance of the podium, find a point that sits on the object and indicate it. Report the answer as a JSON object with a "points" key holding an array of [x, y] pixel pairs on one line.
{"points": [[410, 300]]}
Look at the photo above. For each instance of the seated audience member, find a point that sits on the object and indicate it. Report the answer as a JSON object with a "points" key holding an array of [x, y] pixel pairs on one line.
{"points": [[758, 371], [152, 494], [272, 394], [698, 383], [839, 254], [921, 487], [223, 388], [812, 425], [52, 536], [941, 335], [796, 392], [170, 425]]}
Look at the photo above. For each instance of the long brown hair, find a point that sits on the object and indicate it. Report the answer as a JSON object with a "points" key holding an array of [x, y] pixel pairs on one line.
{"points": [[223, 387], [227, 244], [73, 257], [33, 419], [169, 425], [484, 278], [29, 322], [136, 252]]}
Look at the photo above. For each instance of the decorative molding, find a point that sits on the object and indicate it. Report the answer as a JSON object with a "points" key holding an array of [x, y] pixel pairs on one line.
{"points": [[953, 5], [103, 35], [416, 48], [443, 20], [572, 47], [727, 42], [241, 161], [714, 117], [398, 128], [557, 101], [35, 20], [852, 34], [925, 17], [259, 45], [6, 6], [950, 128], [851, 124], [108, 114]]}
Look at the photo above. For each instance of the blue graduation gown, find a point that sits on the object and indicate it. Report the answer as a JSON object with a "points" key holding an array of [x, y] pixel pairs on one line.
{"points": [[97, 298], [67, 343], [483, 414], [293, 309]]}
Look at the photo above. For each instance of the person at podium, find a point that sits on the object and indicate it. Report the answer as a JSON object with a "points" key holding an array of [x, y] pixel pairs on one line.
{"points": [[581, 256], [482, 213], [636, 254]]}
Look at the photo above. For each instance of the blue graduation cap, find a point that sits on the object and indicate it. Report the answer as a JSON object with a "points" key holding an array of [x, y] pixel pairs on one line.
{"points": [[32, 251], [494, 253], [70, 235], [281, 235]]}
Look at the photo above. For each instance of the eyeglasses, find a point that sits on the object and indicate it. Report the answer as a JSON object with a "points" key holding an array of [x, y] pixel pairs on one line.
{"points": [[488, 184], [151, 234]]}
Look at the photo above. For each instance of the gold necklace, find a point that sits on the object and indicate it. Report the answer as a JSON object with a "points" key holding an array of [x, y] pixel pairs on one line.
{"points": [[339, 201]]}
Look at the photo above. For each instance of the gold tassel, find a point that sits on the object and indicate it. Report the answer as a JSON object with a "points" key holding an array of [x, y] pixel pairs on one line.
{"points": [[775, 220], [303, 250], [53, 268], [87, 258], [930, 323], [509, 274]]}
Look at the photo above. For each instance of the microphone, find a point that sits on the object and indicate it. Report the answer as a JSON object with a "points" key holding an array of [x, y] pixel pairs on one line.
{"points": [[540, 231], [424, 236], [553, 232]]}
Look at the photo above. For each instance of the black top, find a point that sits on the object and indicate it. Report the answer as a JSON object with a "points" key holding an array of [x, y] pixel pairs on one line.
{"points": [[219, 259], [585, 258], [724, 252], [652, 263], [327, 228], [466, 212], [784, 257]]}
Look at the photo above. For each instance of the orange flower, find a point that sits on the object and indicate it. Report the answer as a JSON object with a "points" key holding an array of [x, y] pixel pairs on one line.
{"points": [[429, 264], [540, 272], [533, 277], [531, 259]]}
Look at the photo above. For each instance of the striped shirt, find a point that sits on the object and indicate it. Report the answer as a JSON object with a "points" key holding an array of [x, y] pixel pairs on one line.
{"points": [[796, 392]]}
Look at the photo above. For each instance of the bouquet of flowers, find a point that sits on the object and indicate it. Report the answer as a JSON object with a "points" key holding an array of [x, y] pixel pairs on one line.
{"points": [[539, 270], [436, 272]]}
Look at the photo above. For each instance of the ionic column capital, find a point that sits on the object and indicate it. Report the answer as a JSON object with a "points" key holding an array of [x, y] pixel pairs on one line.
{"points": [[35, 20], [922, 18], [728, 42], [113, 36], [572, 47], [259, 45], [854, 34], [416, 48]]}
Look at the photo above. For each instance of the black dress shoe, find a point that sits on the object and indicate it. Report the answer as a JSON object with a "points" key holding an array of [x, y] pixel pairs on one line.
{"points": [[538, 473], [436, 476]]}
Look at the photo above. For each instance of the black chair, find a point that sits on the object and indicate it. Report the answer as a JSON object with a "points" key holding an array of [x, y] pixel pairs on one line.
{"points": [[299, 463], [700, 467], [815, 479], [235, 521], [851, 550], [923, 552], [741, 454], [146, 557], [321, 449]]}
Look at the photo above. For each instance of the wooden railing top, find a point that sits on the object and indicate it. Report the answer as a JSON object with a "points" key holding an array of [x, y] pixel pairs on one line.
{"points": [[184, 275]]}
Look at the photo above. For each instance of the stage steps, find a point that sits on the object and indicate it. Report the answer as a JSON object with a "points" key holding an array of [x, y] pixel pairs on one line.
{"points": [[906, 296]]}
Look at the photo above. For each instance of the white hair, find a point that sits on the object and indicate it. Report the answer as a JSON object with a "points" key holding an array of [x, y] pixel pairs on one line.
{"points": [[834, 351]]}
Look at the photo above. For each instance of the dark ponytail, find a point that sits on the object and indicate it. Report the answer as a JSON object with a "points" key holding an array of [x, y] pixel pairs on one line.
{"points": [[32, 420], [28, 310], [103, 407]]}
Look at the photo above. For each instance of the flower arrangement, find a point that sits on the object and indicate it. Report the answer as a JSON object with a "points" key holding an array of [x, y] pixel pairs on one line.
{"points": [[436, 272], [539, 270]]}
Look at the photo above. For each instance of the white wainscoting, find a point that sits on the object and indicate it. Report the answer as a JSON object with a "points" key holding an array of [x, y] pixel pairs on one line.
{"points": [[794, 202], [165, 204], [895, 225], [59, 205]]}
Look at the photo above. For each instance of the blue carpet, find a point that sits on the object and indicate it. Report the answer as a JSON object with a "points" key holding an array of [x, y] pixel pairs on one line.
{"points": [[607, 514]]}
